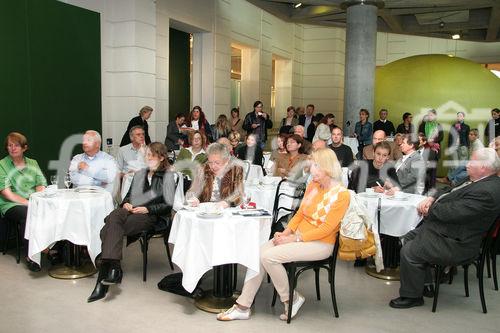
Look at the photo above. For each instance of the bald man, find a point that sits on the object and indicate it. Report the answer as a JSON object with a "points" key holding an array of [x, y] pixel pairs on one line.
{"points": [[378, 136]]}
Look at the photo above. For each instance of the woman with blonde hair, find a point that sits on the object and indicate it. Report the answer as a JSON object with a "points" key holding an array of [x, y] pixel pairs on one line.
{"points": [[221, 128], [310, 235]]}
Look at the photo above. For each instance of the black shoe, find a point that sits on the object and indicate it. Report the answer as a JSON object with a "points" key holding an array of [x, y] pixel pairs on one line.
{"points": [[360, 263], [114, 276], [428, 291], [99, 292], [33, 266], [406, 302]]}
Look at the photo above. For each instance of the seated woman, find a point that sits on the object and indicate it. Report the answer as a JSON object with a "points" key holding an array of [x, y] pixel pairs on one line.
{"points": [[176, 133], [377, 172], [289, 121], [219, 181], [150, 196], [234, 138], [310, 235], [194, 153], [197, 121], [279, 148], [221, 128], [250, 151], [20, 176], [289, 164]]}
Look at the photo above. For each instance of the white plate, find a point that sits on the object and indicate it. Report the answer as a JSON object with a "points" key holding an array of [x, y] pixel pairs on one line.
{"points": [[204, 215], [398, 198]]}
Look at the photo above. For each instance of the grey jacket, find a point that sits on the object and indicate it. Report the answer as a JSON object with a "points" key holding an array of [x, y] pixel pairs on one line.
{"points": [[411, 174]]}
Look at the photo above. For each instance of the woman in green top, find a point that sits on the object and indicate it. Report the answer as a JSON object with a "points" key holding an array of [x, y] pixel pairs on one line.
{"points": [[19, 178], [193, 156]]}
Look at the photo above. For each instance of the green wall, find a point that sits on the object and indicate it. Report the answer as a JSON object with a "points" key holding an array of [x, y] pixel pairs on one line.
{"points": [[447, 84], [50, 73], [179, 89]]}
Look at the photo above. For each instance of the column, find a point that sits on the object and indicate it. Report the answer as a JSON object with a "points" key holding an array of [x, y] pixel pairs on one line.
{"points": [[361, 39]]}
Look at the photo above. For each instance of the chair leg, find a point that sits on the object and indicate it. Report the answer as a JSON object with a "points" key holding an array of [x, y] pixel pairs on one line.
{"points": [[144, 249], [7, 235], [235, 275], [481, 282], [169, 256], [488, 263], [439, 273], [316, 274], [18, 243], [275, 294], [292, 282], [331, 278], [494, 268], [466, 280]]}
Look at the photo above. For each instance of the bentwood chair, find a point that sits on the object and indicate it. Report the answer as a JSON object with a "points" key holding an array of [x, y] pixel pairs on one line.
{"points": [[478, 262], [294, 269], [9, 227]]}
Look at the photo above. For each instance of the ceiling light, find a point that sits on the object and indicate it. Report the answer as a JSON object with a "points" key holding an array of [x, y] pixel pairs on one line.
{"points": [[297, 5], [455, 36], [441, 24]]}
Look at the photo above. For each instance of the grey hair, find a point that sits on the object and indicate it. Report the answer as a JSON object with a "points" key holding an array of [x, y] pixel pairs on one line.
{"points": [[95, 134], [488, 157], [218, 149], [133, 129]]}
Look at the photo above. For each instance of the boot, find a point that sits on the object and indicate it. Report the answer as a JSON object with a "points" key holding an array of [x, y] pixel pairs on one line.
{"points": [[114, 275], [100, 289]]}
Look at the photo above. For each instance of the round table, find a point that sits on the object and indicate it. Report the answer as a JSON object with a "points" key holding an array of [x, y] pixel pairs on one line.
{"points": [[398, 215], [73, 215], [202, 244]]}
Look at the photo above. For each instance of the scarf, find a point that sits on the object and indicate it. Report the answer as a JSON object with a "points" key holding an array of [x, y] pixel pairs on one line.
{"points": [[431, 129]]}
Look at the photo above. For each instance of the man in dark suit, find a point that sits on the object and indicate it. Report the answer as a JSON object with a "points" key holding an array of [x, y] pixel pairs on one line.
{"points": [[453, 226], [383, 124], [306, 120]]}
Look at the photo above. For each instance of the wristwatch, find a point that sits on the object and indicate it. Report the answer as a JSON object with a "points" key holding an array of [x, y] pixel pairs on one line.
{"points": [[297, 237]]}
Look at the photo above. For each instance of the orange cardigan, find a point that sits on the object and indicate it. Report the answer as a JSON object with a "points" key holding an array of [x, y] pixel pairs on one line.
{"points": [[327, 231]]}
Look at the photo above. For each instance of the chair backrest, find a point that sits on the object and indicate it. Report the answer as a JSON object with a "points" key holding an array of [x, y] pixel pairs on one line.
{"points": [[246, 168], [287, 199]]}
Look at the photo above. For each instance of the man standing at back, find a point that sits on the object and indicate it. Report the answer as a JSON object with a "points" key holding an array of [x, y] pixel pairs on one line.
{"points": [[384, 124], [93, 166], [307, 121]]}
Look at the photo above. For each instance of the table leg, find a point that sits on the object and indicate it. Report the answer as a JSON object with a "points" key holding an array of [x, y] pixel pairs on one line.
{"points": [[222, 296], [390, 251], [74, 267]]}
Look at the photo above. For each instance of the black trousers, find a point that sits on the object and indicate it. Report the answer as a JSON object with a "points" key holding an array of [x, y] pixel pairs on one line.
{"points": [[118, 224], [414, 270], [17, 215]]}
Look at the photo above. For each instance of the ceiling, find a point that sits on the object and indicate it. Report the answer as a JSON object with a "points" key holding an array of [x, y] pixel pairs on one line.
{"points": [[474, 20]]}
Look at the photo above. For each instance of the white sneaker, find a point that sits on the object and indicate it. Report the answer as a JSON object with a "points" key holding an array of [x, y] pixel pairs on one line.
{"points": [[297, 303], [234, 313]]}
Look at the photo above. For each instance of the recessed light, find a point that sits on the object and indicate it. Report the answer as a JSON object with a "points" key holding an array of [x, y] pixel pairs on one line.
{"points": [[297, 5], [455, 36]]}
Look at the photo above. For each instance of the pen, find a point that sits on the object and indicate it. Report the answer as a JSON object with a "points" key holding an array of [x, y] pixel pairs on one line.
{"points": [[378, 184]]}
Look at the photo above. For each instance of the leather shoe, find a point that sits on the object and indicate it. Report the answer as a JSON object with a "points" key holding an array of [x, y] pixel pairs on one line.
{"points": [[33, 266], [114, 276], [428, 291], [406, 302], [99, 292]]}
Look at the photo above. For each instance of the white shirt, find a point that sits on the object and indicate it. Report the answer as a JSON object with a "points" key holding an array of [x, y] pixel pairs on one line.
{"points": [[101, 171], [195, 125]]}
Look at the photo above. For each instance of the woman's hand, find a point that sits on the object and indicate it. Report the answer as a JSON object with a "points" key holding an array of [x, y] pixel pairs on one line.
{"points": [[223, 204], [128, 206], [283, 239], [378, 189], [139, 210]]}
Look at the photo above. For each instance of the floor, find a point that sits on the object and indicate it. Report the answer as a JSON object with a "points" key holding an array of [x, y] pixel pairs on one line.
{"points": [[35, 302]]}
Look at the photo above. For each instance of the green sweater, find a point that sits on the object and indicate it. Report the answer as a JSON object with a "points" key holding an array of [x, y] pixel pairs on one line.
{"points": [[21, 182]]}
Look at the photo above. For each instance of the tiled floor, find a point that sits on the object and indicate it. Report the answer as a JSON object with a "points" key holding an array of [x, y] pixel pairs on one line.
{"points": [[39, 303]]}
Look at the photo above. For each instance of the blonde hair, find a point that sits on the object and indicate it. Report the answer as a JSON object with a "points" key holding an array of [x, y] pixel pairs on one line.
{"points": [[327, 161], [145, 109]]}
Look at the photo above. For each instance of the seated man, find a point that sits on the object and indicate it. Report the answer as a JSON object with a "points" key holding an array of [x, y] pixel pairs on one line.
{"points": [[93, 166], [130, 158], [452, 229], [344, 152], [378, 136]]}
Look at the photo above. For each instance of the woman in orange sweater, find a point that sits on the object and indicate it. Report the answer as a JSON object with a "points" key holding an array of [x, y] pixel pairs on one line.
{"points": [[310, 235]]}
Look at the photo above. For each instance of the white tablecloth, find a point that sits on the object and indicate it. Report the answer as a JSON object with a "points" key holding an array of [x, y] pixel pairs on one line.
{"points": [[69, 215], [203, 243], [263, 196], [397, 217], [255, 172], [353, 143]]}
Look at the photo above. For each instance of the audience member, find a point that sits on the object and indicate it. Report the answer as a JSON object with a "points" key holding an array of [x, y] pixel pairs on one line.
{"points": [[177, 133], [431, 128], [306, 146], [258, 122], [307, 121], [383, 124], [289, 121], [396, 150], [280, 147], [198, 122], [194, 153], [130, 158], [140, 120], [250, 151], [221, 128], [324, 129], [290, 165], [363, 132], [237, 122], [492, 129], [343, 152], [368, 151], [406, 127]]}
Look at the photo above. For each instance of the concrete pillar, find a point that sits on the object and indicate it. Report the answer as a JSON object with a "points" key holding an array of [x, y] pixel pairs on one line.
{"points": [[360, 54]]}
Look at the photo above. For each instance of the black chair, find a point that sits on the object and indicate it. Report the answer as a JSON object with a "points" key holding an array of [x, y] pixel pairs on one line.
{"points": [[9, 226], [161, 229], [494, 251], [294, 269], [478, 262], [298, 195]]}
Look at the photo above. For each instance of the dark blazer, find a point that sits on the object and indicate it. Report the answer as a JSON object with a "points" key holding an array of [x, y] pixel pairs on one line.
{"points": [[387, 127], [411, 175], [310, 130], [457, 221], [158, 197], [463, 135], [265, 124], [401, 129], [136, 121], [173, 135]]}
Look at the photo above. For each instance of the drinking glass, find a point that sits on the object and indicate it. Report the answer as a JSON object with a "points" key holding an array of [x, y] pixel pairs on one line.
{"points": [[67, 181], [53, 180]]}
